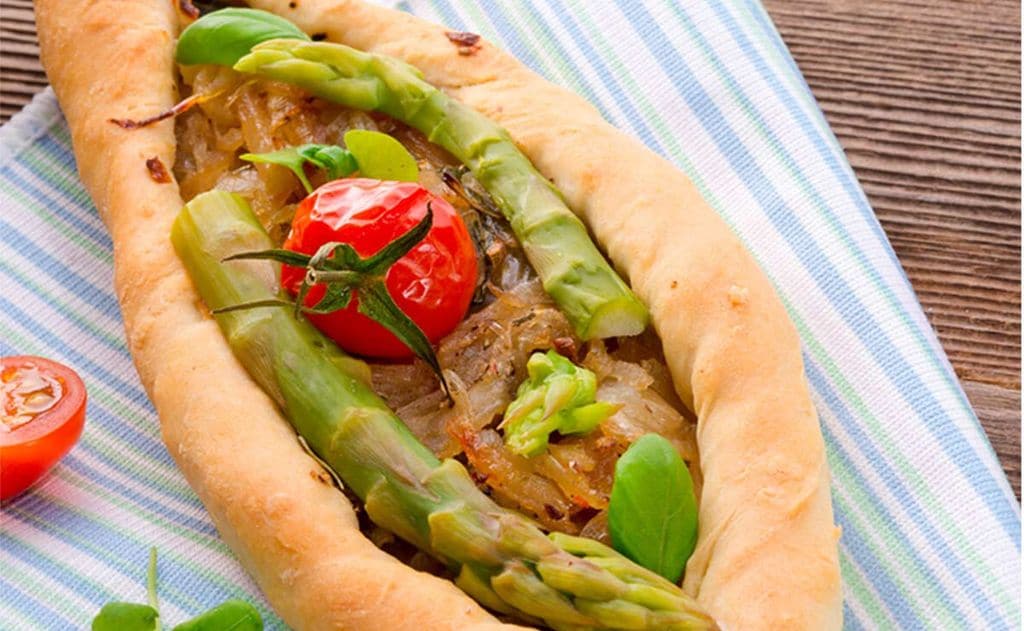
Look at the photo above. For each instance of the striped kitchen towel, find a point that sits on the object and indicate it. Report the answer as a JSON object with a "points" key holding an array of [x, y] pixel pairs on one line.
{"points": [[931, 529]]}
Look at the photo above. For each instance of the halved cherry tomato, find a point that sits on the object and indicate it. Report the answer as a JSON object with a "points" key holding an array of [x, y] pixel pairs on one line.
{"points": [[432, 284], [42, 418]]}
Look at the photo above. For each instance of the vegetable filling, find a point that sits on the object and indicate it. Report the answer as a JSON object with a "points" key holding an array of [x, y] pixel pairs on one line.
{"points": [[511, 379], [485, 358]]}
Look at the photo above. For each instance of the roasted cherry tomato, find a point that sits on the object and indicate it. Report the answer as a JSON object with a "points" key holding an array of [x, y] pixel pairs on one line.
{"points": [[43, 415], [432, 284]]}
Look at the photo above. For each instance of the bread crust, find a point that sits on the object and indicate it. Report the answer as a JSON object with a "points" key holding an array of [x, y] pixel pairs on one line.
{"points": [[767, 551]]}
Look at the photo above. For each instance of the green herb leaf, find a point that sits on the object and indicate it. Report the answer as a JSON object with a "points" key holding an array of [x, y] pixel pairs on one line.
{"points": [[652, 513], [119, 616], [333, 159], [289, 157], [373, 154], [223, 37], [232, 615], [380, 156], [336, 161]]}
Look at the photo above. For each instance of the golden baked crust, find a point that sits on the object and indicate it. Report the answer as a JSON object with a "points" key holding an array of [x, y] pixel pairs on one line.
{"points": [[767, 555]]}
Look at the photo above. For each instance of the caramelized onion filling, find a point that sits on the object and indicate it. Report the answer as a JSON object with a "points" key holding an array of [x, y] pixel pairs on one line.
{"points": [[484, 359]]}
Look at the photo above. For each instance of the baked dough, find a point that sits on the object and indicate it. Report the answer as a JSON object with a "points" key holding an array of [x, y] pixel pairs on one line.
{"points": [[767, 551]]}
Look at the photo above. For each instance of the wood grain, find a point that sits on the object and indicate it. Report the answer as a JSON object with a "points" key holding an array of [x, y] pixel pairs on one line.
{"points": [[925, 99], [924, 96]]}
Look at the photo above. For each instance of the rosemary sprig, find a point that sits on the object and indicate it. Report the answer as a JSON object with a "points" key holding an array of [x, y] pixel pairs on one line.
{"points": [[345, 274]]}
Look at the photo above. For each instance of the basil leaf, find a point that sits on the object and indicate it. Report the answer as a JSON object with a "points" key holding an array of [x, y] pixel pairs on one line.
{"points": [[223, 37], [126, 617], [233, 615], [652, 513], [289, 158], [118, 616], [335, 160], [380, 156]]}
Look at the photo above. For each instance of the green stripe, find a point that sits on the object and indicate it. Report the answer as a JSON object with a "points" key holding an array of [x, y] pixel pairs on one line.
{"points": [[109, 558], [796, 87], [229, 585], [40, 590], [819, 353], [212, 543], [895, 456], [116, 342], [12, 619], [100, 254], [51, 169], [836, 228], [55, 172], [60, 562], [866, 598], [862, 512]]}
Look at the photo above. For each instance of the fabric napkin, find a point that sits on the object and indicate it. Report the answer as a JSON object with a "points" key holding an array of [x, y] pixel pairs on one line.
{"points": [[931, 529]]}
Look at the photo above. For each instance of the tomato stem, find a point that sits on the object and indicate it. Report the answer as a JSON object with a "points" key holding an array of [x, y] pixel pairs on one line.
{"points": [[346, 275], [499, 556]]}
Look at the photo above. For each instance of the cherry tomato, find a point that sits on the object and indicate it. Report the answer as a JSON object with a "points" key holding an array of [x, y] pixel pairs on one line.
{"points": [[433, 283], [43, 415]]}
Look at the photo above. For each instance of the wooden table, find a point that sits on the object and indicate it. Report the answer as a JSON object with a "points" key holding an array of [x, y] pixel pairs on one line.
{"points": [[925, 97]]}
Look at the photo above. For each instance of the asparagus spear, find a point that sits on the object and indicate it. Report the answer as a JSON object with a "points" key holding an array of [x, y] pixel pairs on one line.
{"points": [[576, 275], [499, 557], [557, 396]]}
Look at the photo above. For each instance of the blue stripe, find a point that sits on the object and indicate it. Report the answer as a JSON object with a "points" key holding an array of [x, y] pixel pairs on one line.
{"points": [[608, 78], [161, 504], [74, 318], [81, 361], [57, 151], [59, 208], [448, 15], [510, 37], [799, 116], [851, 621], [45, 618], [162, 511], [182, 585], [889, 592], [843, 176], [819, 267], [898, 487], [60, 273], [54, 569]]}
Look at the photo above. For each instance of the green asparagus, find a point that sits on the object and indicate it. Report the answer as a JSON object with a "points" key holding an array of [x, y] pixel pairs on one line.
{"points": [[499, 557], [558, 396], [574, 273]]}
